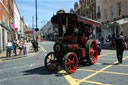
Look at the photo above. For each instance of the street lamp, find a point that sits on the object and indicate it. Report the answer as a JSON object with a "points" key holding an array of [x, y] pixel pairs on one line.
{"points": [[36, 15]]}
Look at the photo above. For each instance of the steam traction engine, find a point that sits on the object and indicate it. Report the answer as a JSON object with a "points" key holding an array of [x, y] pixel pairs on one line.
{"points": [[71, 47]]}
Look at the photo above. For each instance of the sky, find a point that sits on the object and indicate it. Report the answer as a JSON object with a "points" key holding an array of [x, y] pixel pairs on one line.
{"points": [[46, 9]]}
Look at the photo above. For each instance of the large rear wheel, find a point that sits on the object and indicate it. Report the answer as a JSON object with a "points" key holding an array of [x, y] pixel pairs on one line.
{"points": [[51, 61], [71, 62], [91, 51]]}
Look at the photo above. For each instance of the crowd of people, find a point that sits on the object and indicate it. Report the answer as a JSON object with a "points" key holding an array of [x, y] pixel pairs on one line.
{"points": [[109, 41], [13, 45], [119, 43]]}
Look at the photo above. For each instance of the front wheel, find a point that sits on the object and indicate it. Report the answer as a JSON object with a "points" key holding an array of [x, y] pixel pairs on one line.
{"points": [[91, 51], [71, 62], [51, 61]]}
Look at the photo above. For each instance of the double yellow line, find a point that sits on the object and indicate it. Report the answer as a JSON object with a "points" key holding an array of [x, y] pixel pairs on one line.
{"points": [[73, 82], [0, 60]]}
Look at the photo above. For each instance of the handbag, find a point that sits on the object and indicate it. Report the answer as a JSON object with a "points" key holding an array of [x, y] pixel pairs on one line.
{"points": [[11, 48], [125, 45]]}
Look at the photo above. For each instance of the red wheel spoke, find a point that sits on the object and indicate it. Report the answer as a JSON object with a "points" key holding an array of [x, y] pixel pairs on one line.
{"points": [[68, 62], [69, 68], [73, 59], [71, 62]]}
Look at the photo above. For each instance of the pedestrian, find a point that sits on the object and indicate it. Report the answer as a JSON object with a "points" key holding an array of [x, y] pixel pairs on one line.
{"points": [[33, 44], [119, 48], [36, 44], [15, 46], [8, 48], [20, 47], [24, 48]]}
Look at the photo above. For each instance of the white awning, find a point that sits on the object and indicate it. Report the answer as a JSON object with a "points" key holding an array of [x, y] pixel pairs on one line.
{"points": [[121, 21]]}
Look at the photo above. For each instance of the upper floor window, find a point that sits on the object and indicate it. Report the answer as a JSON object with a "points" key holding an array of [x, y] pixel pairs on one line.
{"points": [[88, 2], [105, 1], [3, 18], [98, 12], [119, 9], [112, 11], [105, 14]]}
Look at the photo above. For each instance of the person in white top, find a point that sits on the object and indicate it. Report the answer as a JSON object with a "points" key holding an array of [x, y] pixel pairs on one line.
{"points": [[8, 48]]}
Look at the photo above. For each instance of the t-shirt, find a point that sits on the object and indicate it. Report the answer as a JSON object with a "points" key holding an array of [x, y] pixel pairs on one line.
{"points": [[119, 43], [9, 44]]}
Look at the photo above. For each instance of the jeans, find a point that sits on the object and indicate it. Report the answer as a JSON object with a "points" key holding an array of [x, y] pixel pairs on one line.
{"points": [[25, 51], [8, 51]]}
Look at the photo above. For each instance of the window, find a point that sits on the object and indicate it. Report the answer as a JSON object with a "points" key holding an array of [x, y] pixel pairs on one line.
{"points": [[3, 18], [8, 22], [105, 1], [119, 9], [87, 2], [105, 14], [111, 11], [98, 12]]}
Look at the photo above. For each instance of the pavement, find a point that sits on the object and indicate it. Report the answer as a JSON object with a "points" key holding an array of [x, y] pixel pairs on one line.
{"points": [[29, 52]]}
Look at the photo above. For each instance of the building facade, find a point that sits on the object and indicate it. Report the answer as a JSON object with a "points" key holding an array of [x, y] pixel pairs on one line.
{"points": [[48, 31], [6, 16], [114, 17], [98, 10], [16, 19], [22, 27]]}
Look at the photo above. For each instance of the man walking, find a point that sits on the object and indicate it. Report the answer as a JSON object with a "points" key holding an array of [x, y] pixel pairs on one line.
{"points": [[15, 45], [119, 48]]}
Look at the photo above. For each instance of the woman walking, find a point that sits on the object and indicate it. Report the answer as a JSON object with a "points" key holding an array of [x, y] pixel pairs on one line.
{"points": [[20, 47]]}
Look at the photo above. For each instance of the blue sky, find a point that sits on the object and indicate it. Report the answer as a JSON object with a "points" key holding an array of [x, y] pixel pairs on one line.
{"points": [[46, 9]]}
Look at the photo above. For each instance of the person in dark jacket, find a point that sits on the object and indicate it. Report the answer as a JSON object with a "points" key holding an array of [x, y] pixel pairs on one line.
{"points": [[15, 45], [119, 48]]}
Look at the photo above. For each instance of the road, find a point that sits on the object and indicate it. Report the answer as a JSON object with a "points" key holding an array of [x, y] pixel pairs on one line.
{"points": [[31, 71]]}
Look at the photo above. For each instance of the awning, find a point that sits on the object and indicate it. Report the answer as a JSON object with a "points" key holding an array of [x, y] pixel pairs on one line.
{"points": [[13, 27], [28, 32], [16, 29], [5, 25], [86, 20]]}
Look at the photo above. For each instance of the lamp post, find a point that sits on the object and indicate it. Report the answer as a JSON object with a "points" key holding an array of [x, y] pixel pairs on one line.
{"points": [[36, 13], [36, 29]]}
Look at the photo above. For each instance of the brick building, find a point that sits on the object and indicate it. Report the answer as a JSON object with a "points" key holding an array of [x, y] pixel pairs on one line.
{"points": [[6, 16], [86, 8]]}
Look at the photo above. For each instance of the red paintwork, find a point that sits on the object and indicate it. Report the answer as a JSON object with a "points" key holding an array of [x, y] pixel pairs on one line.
{"points": [[81, 52], [71, 63], [72, 46], [93, 52]]}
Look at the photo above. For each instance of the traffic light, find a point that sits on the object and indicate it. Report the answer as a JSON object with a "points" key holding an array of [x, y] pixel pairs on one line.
{"points": [[36, 29]]}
